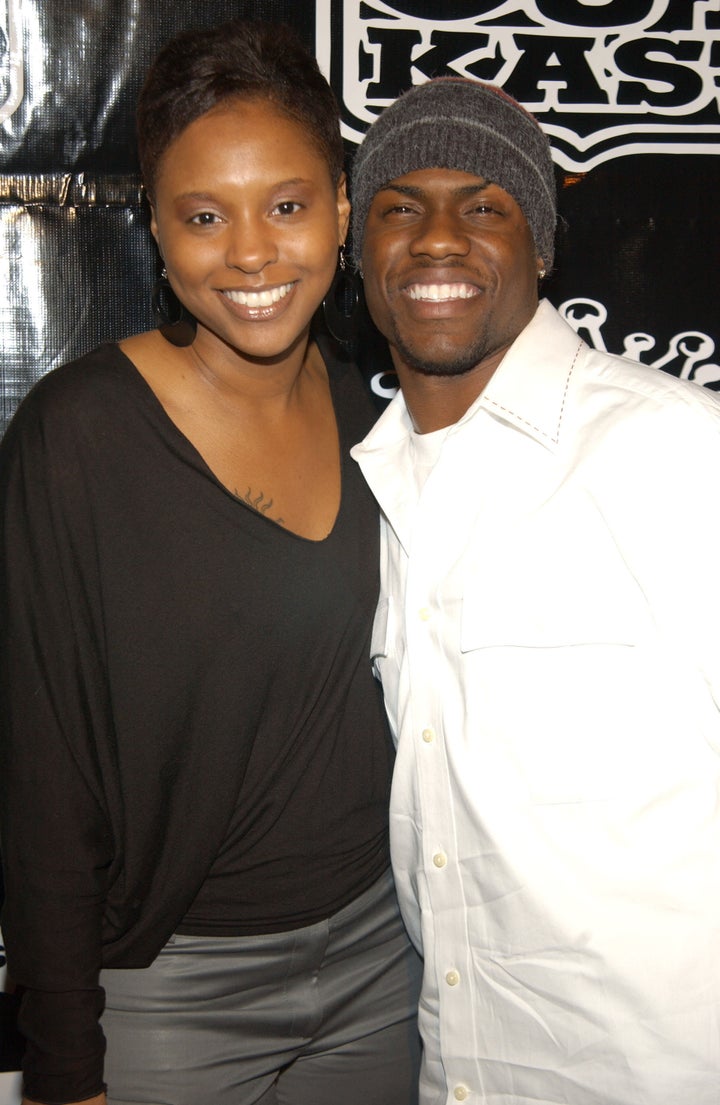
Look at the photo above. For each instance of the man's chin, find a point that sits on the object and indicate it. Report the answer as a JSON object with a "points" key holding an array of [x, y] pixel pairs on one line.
{"points": [[439, 365]]}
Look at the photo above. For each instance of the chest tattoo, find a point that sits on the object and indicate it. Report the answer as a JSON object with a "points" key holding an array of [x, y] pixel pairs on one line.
{"points": [[259, 503]]}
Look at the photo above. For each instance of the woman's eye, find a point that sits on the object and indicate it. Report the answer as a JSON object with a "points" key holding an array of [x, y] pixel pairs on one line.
{"points": [[204, 218], [288, 207]]}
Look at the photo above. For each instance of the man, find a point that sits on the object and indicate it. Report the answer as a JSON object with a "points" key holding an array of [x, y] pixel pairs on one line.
{"points": [[548, 639]]}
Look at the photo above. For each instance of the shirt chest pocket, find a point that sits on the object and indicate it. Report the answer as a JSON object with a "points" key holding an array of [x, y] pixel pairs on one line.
{"points": [[556, 614], [552, 579], [554, 669]]}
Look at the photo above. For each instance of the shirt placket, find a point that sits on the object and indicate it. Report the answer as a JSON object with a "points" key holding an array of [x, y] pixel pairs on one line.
{"points": [[432, 633]]}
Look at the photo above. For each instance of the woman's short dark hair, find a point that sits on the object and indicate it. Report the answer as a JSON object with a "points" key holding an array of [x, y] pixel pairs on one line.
{"points": [[198, 70]]}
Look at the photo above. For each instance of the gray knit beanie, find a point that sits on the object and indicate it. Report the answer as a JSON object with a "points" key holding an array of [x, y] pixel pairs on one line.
{"points": [[454, 123]]}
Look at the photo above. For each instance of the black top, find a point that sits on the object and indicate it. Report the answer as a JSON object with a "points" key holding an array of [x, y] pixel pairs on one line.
{"points": [[186, 692]]}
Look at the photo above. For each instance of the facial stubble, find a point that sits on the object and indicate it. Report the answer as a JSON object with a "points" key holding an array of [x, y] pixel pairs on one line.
{"points": [[453, 363]]}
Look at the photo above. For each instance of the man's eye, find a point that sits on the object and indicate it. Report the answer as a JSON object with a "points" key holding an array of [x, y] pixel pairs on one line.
{"points": [[484, 209]]}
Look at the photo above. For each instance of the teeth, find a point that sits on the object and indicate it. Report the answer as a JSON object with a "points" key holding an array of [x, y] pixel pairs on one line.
{"points": [[438, 292], [265, 298]]}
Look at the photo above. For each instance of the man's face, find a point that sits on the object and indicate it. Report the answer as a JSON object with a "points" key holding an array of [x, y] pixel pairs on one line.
{"points": [[450, 270]]}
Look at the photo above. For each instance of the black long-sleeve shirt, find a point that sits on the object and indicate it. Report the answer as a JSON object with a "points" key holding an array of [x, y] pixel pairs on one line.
{"points": [[177, 672]]}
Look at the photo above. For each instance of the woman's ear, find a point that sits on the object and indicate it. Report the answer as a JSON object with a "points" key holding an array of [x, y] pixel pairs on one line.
{"points": [[343, 209], [154, 226]]}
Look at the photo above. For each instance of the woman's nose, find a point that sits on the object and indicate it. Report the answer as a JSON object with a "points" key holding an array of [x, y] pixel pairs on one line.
{"points": [[250, 245]]}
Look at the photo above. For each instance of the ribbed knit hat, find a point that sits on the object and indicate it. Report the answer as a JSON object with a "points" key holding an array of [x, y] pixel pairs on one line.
{"points": [[460, 124]]}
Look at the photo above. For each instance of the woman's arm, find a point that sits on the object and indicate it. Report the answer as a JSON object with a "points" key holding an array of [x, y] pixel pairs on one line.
{"points": [[56, 842]]}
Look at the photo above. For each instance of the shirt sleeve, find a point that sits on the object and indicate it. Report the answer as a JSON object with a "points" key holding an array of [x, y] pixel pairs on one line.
{"points": [[56, 843]]}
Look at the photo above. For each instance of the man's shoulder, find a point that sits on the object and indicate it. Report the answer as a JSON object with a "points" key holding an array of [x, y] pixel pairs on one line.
{"points": [[627, 390]]}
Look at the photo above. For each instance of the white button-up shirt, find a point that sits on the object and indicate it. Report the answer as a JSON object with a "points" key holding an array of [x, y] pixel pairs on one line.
{"points": [[548, 639]]}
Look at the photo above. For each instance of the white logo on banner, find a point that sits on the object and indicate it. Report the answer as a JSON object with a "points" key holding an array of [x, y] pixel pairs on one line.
{"points": [[687, 355], [11, 58], [604, 77]]}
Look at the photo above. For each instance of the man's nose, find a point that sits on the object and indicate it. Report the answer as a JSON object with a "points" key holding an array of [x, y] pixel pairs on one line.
{"points": [[441, 234]]}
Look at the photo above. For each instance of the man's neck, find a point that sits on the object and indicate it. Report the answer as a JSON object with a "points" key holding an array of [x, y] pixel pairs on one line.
{"points": [[435, 402]]}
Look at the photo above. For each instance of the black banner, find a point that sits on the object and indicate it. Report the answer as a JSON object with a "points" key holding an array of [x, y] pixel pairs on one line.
{"points": [[627, 91]]}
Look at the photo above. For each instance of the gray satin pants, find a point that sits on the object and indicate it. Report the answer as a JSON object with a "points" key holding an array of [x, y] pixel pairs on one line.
{"points": [[323, 1015]]}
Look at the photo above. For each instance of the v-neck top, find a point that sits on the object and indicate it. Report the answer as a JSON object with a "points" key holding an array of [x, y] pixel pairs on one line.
{"points": [[191, 729]]}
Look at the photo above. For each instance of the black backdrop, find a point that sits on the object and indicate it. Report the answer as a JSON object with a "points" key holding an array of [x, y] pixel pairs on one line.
{"points": [[627, 89]]}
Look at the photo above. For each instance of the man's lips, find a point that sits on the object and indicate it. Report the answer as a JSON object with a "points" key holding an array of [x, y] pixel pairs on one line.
{"points": [[442, 293], [264, 297]]}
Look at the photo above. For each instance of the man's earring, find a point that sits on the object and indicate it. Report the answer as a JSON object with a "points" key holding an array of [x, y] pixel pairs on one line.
{"points": [[341, 305], [174, 323]]}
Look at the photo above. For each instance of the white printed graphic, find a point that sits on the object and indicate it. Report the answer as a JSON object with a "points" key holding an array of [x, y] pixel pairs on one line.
{"points": [[604, 77], [687, 355], [11, 59]]}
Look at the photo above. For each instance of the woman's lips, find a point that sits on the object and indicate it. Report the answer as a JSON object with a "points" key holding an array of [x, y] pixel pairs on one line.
{"points": [[264, 297]]}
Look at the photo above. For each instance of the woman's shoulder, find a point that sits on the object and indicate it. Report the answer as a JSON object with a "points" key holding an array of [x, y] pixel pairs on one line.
{"points": [[77, 412], [94, 385], [86, 376]]}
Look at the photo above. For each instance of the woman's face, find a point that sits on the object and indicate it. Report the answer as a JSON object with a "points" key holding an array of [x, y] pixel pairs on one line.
{"points": [[248, 223]]}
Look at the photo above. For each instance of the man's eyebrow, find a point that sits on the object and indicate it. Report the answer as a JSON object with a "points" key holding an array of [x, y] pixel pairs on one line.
{"points": [[415, 192]]}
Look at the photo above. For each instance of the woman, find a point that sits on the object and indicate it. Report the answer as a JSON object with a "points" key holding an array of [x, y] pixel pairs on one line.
{"points": [[195, 759]]}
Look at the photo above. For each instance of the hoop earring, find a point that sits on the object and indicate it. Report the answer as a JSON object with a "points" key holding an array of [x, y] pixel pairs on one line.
{"points": [[174, 323], [341, 305]]}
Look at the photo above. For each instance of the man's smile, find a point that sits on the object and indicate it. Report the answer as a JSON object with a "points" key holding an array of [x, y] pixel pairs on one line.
{"points": [[440, 293]]}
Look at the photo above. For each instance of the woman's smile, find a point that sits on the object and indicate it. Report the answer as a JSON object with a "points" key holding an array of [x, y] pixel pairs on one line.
{"points": [[259, 297]]}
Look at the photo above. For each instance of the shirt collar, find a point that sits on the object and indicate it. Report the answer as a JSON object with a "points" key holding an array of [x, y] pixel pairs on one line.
{"points": [[528, 389], [530, 385]]}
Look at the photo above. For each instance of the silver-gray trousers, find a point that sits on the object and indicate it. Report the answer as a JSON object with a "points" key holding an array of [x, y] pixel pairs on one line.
{"points": [[322, 1015]]}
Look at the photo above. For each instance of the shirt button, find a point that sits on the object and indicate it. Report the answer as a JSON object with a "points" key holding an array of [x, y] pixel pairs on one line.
{"points": [[428, 735], [461, 1093], [452, 978], [439, 859], [425, 614]]}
